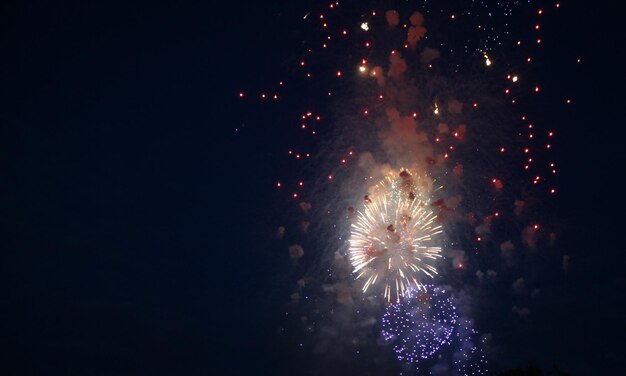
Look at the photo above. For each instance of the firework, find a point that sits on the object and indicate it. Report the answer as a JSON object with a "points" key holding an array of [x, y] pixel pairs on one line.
{"points": [[420, 324], [426, 331], [392, 239], [450, 91]]}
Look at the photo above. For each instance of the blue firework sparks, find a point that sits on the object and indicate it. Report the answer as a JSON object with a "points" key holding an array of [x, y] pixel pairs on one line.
{"points": [[425, 330], [420, 324]]}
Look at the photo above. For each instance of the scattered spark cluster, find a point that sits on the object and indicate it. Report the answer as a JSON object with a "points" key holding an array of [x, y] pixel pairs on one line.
{"points": [[420, 323], [393, 235], [424, 327], [485, 29], [468, 357]]}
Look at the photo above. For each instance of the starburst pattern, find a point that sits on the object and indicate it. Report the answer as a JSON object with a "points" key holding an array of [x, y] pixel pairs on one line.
{"points": [[393, 237]]}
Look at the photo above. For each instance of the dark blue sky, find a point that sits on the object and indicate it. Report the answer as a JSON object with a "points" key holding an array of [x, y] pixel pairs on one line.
{"points": [[133, 220]]}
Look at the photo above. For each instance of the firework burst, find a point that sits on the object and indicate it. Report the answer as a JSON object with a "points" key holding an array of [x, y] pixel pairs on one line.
{"points": [[458, 105], [420, 324], [392, 240]]}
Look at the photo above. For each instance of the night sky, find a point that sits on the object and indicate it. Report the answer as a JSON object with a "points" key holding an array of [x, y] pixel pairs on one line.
{"points": [[138, 205]]}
